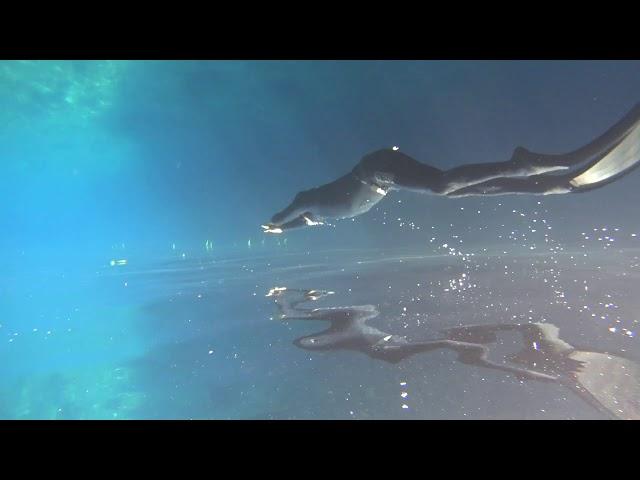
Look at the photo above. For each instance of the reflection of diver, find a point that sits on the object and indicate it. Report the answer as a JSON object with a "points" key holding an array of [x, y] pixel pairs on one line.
{"points": [[608, 382], [605, 159]]}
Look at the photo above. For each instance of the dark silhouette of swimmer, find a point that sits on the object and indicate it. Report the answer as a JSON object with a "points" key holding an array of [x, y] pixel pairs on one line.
{"points": [[607, 158], [608, 382]]}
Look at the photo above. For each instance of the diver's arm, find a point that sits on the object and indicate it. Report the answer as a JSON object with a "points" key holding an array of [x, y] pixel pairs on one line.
{"points": [[345, 197]]}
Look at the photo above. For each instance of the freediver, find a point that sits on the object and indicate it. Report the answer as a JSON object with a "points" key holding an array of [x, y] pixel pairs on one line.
{"points": [[608, 382], [607, 158]]}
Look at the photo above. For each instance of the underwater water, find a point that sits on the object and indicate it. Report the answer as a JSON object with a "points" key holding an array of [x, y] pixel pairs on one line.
{"points": [[137, 282]]}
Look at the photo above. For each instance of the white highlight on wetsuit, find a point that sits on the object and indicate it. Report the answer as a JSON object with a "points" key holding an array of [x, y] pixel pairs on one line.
{"points": [[310, 222]]}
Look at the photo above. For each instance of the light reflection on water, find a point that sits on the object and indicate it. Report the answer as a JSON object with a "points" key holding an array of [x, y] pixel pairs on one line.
{"points": [[197, 338]]}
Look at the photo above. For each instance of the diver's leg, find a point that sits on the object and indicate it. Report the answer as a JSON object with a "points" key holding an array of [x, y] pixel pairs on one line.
{"points": [[616, 161], [477, 173], [477, 354], [596, 148], [534, 185], [617, 148], [468, 353], [482, 334], [394, 168], [398, 170], [599, 146]]}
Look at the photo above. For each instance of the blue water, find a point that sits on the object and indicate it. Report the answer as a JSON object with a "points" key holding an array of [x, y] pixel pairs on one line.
{"points": [[135, 270]]}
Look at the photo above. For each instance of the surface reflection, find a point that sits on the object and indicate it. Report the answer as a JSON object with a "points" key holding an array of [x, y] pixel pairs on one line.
{"points": [[607, 381]]}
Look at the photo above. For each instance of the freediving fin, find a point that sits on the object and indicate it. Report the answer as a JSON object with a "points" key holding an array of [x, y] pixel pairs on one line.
{"points": [[619, 160]]}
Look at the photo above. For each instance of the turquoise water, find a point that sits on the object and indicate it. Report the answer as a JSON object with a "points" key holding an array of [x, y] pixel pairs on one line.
{"points": [[135, 271]]}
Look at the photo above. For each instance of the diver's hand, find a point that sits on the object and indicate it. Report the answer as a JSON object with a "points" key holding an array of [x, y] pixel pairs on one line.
{"points": [[271, 228], [304, 220]]}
